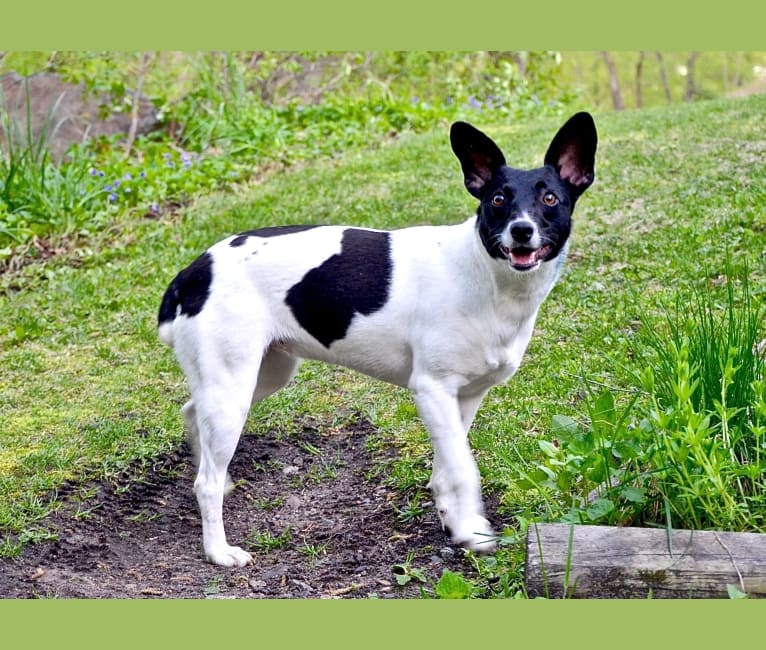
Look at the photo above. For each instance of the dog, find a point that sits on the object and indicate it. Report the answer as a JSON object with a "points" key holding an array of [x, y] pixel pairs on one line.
{"points": [[445, 311]]}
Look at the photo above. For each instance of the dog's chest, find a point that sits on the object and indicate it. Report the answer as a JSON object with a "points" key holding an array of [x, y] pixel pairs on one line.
{"points": [[498, 353]]}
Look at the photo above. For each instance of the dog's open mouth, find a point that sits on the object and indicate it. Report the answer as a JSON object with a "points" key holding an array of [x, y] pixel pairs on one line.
{"points": [[525, 259]]}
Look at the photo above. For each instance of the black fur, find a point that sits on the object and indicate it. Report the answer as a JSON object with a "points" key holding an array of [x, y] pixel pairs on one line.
{"points": [[524, 191], [357, 280], [273, 231], [189, 289], [567, 172]]}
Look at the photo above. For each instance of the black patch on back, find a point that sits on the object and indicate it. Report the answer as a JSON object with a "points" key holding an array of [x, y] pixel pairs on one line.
{"points": [[357, 280], [189, 289], [273, 231]]}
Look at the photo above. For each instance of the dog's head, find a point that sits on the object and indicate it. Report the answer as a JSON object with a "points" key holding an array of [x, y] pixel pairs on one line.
{"points": [[525, 215]]}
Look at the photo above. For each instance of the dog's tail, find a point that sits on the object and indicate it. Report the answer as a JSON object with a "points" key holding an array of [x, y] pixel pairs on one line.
{"points": [[168, 311]]}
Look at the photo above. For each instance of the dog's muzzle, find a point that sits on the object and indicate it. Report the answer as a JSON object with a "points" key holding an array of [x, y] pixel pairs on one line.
{"points": [[522, 258]]}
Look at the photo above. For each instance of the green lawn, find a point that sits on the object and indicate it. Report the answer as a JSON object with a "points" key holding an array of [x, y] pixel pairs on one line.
{"points": [[87, 390]]}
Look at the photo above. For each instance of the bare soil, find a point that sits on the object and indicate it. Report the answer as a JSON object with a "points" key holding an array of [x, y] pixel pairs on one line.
{"points": [[318, 526]]}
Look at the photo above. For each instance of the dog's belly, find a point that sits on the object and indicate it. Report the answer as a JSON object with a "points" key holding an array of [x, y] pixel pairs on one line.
{"points": [[375, 347], [376, 352]]}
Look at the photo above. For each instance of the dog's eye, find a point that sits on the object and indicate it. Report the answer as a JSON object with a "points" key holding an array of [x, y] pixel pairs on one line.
{"points": [[550, 199], [498, 200]]}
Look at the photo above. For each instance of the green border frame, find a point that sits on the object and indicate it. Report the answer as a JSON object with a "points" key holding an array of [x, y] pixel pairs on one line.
{"points": [[363, 623], [394, 24]]}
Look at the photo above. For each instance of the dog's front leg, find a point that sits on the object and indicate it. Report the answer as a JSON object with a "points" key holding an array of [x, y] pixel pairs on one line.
{"points": [[455, 481]]}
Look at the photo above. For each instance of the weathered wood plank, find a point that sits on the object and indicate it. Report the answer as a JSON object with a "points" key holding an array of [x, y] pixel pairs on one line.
{"points": [[610, 562]]}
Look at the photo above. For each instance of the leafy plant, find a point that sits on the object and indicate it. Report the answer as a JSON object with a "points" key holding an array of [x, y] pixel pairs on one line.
{"points": [[594, 468], [405, 572], [721, 344], [706, 420], [453, 585], [687, 447], [213, 587]]}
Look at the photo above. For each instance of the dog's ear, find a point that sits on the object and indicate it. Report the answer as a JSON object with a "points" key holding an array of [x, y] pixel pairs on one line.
{"points": [[479, 156], [573, 152]]}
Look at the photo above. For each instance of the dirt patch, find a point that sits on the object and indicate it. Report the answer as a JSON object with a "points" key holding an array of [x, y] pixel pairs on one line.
{"points": [[317, 526]]}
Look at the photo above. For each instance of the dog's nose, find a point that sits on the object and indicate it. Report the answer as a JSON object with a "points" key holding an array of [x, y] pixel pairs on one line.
{"points": [[522, 232]]}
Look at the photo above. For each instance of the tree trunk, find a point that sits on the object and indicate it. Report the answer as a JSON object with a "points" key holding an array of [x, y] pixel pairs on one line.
{"points": [[614, 82], [691, 86], [639, 70], [664, 77]]}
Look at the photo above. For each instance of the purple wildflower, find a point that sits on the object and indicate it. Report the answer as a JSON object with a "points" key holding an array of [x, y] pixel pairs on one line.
{"points": [[475, 103]]}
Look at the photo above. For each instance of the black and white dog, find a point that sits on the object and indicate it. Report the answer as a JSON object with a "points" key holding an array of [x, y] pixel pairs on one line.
{"points": [[446, 311]]}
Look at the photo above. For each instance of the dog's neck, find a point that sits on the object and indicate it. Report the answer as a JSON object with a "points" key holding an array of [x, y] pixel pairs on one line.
{"points": [[504, 282]]}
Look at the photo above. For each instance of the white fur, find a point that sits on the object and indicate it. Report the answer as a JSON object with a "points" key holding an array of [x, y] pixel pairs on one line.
{"points": [[456, 323]]}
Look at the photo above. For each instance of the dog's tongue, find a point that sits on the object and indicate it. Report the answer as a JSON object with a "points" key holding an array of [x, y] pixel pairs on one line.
{"points": [[523, 257]]}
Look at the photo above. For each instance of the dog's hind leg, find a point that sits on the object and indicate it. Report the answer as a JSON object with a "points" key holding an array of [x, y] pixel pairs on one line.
{"points": [[192, 438], [221, 403], [214, 420]]}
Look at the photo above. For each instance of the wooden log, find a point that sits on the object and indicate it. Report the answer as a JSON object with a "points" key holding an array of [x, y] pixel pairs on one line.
{"points": [[610, 562]]}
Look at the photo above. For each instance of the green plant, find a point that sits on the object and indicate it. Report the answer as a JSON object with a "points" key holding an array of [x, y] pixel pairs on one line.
{"points": [[213, 587], [687, 447], [144, 517], [706, 420], [313, 551], [412, 508], [721, 342], [405, 572], [35, 193], [590, 473], [266, 541], [453, 586], [267, 503]]}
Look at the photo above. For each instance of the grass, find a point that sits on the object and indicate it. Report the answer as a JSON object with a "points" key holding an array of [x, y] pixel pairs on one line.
{"points": [[266, 541], [86, 390]]}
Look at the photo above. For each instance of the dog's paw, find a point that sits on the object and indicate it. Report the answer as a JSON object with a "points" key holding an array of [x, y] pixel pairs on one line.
{"points": [[230, 556], [474, 533]]}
